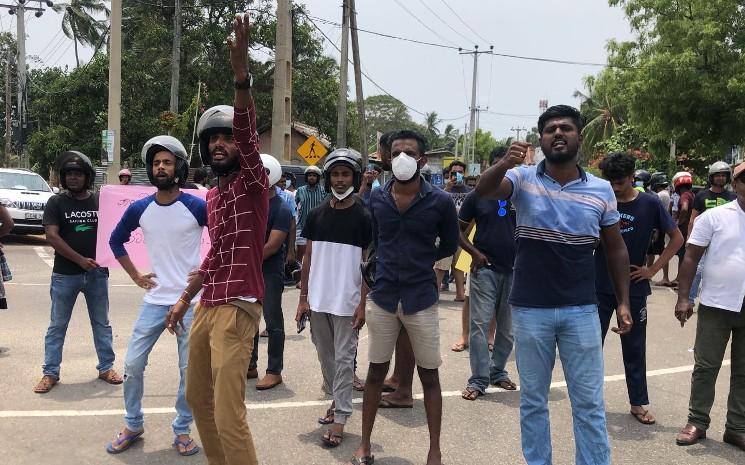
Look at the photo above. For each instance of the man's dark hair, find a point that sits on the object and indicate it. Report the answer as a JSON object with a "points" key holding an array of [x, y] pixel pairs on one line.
{"points": [[378, 168], [497, 153], [617, 165], [457, 163], [409, 134], [385, 140], [560, 111], [200, 174]]}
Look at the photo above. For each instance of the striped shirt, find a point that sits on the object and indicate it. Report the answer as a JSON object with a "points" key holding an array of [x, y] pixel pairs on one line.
{"points": [[307, 199], [558, 229], [236, 219]]}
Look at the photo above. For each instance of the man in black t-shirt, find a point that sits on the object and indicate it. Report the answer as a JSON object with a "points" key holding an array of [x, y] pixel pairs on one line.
{"points": [[716, 195], [641, 214], [71, 223], [279, 222]]}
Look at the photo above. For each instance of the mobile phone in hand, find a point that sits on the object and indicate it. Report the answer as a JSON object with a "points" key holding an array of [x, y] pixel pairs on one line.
{"points": [[302, 323]]}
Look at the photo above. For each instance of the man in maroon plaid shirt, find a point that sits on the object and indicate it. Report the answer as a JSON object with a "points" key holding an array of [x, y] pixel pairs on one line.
{"points": [[231, 279]]}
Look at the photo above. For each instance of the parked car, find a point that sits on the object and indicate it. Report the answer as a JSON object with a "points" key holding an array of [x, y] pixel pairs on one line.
{"points": [[25, 194]]}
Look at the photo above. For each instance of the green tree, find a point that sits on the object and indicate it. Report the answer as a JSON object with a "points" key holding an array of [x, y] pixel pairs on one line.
{"points": [[603, 116], [80, 25]]}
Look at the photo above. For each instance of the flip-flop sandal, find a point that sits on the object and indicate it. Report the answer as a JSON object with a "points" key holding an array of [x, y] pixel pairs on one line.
{"points": [[46, 384], [110, 376], [123, 442], [642, 418], [185, 444], [386, 403], [388, 388], [458, 347], [328, 419], [471, 394], [366, 460], [358, 385], [506, 384], [329, 439]]}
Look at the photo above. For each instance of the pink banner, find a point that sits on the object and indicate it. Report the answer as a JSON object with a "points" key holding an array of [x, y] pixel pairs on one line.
{"points": [[112, 202]]}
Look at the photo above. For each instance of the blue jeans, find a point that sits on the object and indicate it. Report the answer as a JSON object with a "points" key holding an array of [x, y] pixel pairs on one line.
{"points": [[696, 283], [489, 292], [150, 324], [64, 292], [576, 331]]}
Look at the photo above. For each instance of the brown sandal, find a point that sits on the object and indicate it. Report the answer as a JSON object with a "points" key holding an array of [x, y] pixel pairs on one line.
{"points": [[471, 393], [111, 377], [46, 384], [332, 439], [506, 384]]}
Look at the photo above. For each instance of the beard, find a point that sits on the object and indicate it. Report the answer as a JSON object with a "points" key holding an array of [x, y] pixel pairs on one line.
{"points": [[560, 157], [164, 183], [225, 166]]}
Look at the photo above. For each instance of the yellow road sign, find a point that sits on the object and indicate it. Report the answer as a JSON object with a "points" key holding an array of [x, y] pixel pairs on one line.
{"points": [[312, 150]]}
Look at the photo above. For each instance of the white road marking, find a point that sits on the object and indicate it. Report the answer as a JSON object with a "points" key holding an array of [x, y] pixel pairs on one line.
{"points": [[293, 405], [43, 253], [47, 284]]}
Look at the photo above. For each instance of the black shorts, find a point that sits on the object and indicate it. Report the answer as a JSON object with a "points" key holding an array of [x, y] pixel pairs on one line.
{"points": [[657, 246]]}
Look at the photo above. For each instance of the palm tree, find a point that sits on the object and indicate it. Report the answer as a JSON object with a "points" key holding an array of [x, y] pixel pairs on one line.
{"points": [[602, 115], [432, 133], [79, 24]]}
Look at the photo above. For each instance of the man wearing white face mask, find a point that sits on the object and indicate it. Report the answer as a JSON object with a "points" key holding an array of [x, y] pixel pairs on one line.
{"points": [[408, 214], [332, 293]]}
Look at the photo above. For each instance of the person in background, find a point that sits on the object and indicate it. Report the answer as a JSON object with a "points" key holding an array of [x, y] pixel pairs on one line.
{"points": [[200, 179], [6, 225], [658, 185], [307, 198], [125, 176], [683, 185]]}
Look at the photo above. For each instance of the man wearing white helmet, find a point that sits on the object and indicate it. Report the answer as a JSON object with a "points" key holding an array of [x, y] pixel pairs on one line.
{"points": [[231, 277], [171, 222], [308, 197], [713, 196], [125, 176], [332, 294], [278, 226]]}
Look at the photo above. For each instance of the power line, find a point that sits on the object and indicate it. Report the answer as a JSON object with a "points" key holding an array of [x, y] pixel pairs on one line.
{"points": [[422, 22], [463, 22], [443, 21], [61, 55]]}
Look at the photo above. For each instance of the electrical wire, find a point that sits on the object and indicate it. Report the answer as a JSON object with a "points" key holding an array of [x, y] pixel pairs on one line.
{"points": [[403, 7], [61, 55], [59, 31], [463, 22], [443, 21]]}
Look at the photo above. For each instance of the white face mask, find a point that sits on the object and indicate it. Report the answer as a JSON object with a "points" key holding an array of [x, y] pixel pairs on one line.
{"points": [[404, 166], [343, 195]]}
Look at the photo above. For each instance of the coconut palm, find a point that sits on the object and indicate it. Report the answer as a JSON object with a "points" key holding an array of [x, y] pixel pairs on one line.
{"points": [[80, 25], [603, 116]]}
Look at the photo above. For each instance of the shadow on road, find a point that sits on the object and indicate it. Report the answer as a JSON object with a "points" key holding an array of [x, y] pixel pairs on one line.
{"points": [[24, 239]]}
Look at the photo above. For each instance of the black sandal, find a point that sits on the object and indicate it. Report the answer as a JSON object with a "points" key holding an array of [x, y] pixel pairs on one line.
{"points": [[366, 460], [332, 439], [328, 419]]}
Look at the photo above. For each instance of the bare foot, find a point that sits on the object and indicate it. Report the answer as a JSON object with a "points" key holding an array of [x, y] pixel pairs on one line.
{"points": [[434, 458]]}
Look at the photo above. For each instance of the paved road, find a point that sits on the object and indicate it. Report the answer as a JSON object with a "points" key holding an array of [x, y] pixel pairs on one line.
{"points": [[71, 424]]}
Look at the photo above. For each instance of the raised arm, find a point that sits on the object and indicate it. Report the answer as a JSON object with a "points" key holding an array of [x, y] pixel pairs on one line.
{"points": [[492, 182], [244, 117]]}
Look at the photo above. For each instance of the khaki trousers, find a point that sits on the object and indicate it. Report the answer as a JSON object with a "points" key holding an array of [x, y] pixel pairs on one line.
{"points": [[220, 345]]}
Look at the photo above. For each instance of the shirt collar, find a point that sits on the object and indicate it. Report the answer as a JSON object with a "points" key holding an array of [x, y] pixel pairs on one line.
{"points": [[540, 170], [424, 189]]}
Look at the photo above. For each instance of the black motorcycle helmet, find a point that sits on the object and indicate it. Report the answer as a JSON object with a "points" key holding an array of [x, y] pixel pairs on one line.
{"points": [[170, 144], [643, 176], [349, 157], [658, 179], [72, 160]]}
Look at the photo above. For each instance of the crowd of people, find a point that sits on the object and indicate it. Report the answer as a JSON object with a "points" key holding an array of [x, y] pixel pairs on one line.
{"points": [[556, 252]]}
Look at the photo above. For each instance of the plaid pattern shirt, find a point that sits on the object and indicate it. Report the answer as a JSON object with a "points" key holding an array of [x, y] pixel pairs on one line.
{"points": [[236, 218]]}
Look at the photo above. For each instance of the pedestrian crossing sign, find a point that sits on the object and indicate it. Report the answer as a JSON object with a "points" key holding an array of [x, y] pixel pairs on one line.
{"points": [[312, 150]]}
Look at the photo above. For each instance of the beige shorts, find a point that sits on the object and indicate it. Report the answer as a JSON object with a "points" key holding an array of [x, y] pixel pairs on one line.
{"points": [[423, 329], [444, 264]]}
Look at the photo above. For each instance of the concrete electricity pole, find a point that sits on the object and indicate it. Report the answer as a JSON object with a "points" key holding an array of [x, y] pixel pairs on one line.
{"points": [[115, 88], [518, 130], [358, 83], [474, 108], [341, 124], [8, 113], [21, 102], [282, 95], [175, 57]]}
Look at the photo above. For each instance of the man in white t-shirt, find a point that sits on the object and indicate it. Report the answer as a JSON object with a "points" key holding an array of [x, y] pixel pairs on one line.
{"points": [[720, 232], [332, 295], [171, 222]]}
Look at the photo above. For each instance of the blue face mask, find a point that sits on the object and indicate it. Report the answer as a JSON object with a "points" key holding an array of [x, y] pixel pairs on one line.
{"points": [[638, 183], [288, 183]]}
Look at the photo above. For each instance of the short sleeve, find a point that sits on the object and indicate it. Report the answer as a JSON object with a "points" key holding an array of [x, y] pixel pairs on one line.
{"points": [[283, 220], [310, 225], [367, 228], [516, 177], [699, 202], [610, 215], [51, 211], [468, 209], [703, 229]]}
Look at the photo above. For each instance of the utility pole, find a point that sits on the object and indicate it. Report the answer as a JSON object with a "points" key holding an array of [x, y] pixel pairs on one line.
{"points": [[518, 130], [115, 88], [20, 106], [175, 57], [358, 83], [8, 113], [341, 124], [474, 108], [282, 94]]}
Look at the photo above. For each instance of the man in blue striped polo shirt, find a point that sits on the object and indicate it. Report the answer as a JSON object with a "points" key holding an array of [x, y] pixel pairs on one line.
{"points": [[563, 214]]}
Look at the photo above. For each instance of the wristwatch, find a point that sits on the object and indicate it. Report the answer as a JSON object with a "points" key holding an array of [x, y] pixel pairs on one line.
{"points": [[245, 84]]}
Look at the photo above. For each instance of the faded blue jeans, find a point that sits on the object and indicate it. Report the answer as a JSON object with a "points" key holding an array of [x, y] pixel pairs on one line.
{"points": [[489, 291], [150, 324], [576, 332], [64, 292]]}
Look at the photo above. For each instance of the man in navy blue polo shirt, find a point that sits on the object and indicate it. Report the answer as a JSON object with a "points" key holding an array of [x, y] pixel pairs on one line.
{"points": [[563, 213], [408, 214]]}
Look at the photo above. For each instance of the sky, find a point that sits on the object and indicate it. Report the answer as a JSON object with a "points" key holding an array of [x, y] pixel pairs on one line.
{"points": [[428, 78]]}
